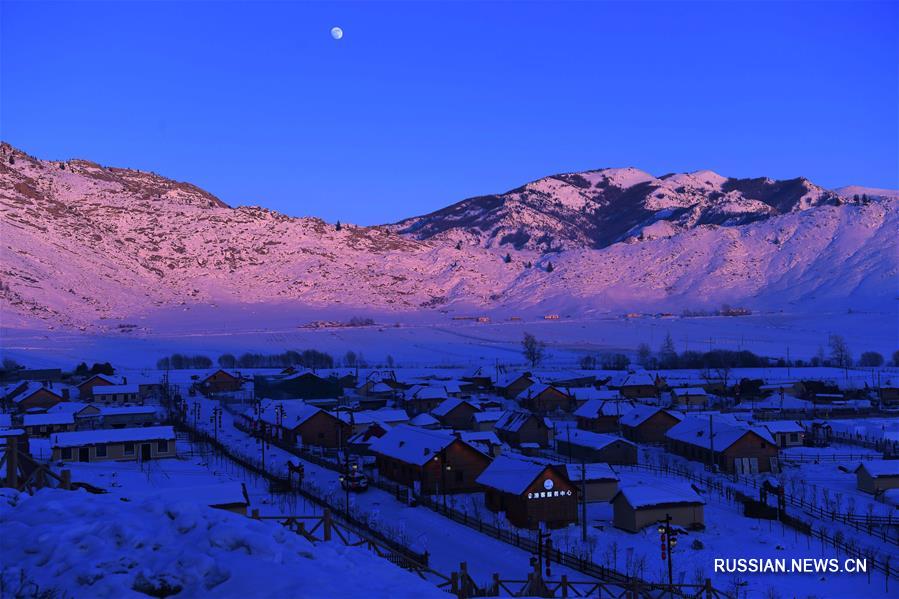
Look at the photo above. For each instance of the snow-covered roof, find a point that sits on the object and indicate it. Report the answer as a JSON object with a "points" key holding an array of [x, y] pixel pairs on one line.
{"points": [[449, 405], [513, 420], [424, 419], [592, 393], [113, 389], [536, 389], [694, 430], [112, 435], [589, 439], [788, 402], [429, 392], [412, 444], [593, 471], [293, 413], [644, 495], [483, 437], [511, 474], [488, 416], [509, 378], [594, 408], [5, 420], [642, 413], [369, 416], [640, 378], [783, 426], [126, 410], [684, 391], [30, 388], [48, 418], [881, 468]]}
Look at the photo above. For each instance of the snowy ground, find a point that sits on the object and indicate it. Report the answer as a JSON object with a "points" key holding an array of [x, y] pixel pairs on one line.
{"points": [[80, 545], [460, 343]]}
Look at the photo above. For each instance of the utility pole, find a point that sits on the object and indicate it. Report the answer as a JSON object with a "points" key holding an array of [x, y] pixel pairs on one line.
{"points": [[668, 540], [443, 468], [711, 445], [583, 501]]}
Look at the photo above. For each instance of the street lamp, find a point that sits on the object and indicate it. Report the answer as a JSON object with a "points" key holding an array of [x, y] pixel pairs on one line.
{"points": [[668, 538]]}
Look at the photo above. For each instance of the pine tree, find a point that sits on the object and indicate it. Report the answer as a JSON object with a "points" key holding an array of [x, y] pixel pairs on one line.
{"points": [[339, 227], [528, 264], [508, 258], [550, 267], [459, 245]]}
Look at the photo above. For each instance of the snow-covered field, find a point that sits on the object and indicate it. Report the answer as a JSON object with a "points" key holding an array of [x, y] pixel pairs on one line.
{"points": [[76, 544], [447, 342]]}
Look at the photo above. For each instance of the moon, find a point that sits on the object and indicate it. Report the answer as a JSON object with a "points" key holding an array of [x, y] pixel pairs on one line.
{"points": [[336, 32]]}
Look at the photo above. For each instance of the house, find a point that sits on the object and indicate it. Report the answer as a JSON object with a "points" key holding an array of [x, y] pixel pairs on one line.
{"points": [[889, 393], [599, 480], [730, 445], [877, 476], [648, 424], [425, 420], [690, 397], [786, 433], [102, 416], [87, 386], [116, 394], [34, 395], [478, 380], [601, 415], [431, 462], [530, 492], [639, 385], [637, 506], [303, 385], [487, 442], [423, 398], [114, 444], [511, 385], [455, 413], [579, 444], [582, 395], [43, 425], [362, 419], [41, 375], [517, 427], [485, 421], [360, 443], [293, 422], [221, 381], [543, 399]]}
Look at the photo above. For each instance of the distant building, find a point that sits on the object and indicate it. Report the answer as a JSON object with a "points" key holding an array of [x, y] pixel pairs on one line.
{"points": [[690, 397], [648, 424], [455, 413], [117, 394], [86, 387], [578, 444], [544, 399], [877, 476], [517, 427], [732, 446], [786, 433], [637, 506], [114, 444], [221, 381], [512, 385], [599, 478], [530, 492], [44, 425], [33, 395], [600, 415]]}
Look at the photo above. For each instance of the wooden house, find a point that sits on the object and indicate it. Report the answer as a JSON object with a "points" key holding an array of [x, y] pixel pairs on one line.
{"points": [[425, 420], [579, 444], [877, 476], [34, 395], [639, 385], [455, 413], [517, 427], [303, 385], [648, 424], [486, 420], [530, 492], [512, 385], [105, 416], [86, 387], [293, 422], [544, 399], [360, 443], [221, 381], [430, 462], [44, 425], [889, 393], [599, 480], [635, 507], [119, 444], [731, 446], [117, 394], [786, 433], [601, 415], [690, 397], [423, 398]]}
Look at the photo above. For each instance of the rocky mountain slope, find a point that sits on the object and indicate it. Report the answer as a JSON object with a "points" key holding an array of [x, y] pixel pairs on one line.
{"points": [[82, 245]]}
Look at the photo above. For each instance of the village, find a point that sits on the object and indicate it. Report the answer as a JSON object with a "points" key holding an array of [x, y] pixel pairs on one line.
{"points": [[498, 480]]}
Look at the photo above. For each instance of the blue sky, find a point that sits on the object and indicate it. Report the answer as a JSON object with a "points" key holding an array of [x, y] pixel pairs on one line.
{"points": [[423, 104]]}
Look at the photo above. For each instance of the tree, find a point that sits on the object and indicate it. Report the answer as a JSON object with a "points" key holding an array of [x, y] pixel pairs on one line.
{"points": [[644, 353], [896, 358], [533, 350], [528, 264], [349, 359], [338, 227], [507, 258], [870, 358], [81, 369], [227, 361], [839, 351], [459, 245], [550, 267], [667, 353], [12, 159], [588, 363], [390, 361]]}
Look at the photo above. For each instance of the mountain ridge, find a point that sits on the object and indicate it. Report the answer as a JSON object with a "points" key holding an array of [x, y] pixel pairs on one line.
{"points": [[85, 246]]}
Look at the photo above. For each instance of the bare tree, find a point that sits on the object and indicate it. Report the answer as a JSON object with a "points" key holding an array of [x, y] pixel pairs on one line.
{"points": [[839, 351], [533, 350]]}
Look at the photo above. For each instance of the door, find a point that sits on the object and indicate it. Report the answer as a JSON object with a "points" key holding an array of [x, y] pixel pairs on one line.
{"points": [[84, 454], [144, 452]]}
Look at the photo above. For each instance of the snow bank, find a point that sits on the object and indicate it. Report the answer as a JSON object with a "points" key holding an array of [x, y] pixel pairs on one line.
{"points": [[96, 546]]}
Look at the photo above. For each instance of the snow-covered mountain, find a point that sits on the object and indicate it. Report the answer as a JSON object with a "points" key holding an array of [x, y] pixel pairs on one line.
{"points": [[85, 245], [598, 208]]}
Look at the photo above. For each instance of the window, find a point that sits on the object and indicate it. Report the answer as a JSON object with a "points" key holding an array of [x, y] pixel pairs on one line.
{"points": [[794, 436], [67, 453], [100, 451], [162, 446], [129, 448]]}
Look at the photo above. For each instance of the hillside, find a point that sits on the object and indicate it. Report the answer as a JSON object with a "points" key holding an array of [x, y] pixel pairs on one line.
{"points": [[91, 247]]}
